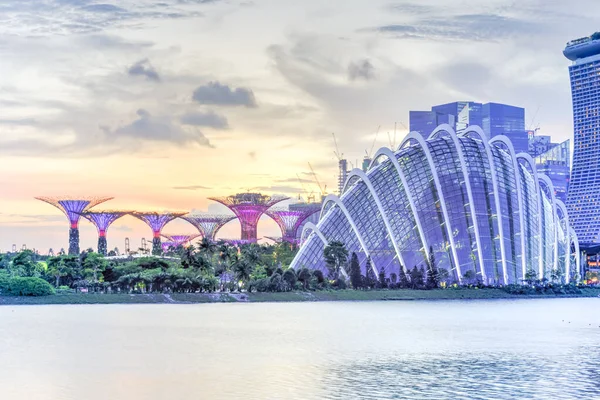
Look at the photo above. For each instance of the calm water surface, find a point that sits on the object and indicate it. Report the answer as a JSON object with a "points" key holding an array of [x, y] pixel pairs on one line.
{"points": [[525, 349]]}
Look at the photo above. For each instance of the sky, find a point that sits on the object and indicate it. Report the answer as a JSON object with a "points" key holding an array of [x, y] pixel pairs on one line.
{"points": [[163, 104]]}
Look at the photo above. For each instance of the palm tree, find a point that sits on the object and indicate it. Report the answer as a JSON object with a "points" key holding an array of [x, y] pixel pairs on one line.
{"points": [[208, 246], [242, 270]]}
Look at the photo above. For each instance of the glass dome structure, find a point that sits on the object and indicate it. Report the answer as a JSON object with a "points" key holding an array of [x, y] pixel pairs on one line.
{"points": [[470, 200]]}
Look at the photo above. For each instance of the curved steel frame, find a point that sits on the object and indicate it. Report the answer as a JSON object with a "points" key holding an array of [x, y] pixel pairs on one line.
{"points": [[359, 173], [526, 157], [575, 240], [338, 202], [563, 208], [315, 229], [543, 178], [423, 144], [463, 165], [506, 141], [492, 165], [413, 208]]}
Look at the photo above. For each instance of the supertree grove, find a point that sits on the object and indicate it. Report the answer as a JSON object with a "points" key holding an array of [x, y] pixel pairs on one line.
{"points": [[73, 208], [156, 221], [208, 224], [102, 220], [180, 240], [249, 207], [289, 221]]}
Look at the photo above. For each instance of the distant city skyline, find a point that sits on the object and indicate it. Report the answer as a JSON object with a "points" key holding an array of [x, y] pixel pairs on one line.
{"points": [[165, 105]]}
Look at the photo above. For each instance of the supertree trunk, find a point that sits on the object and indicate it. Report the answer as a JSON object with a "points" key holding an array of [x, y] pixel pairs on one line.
{"points": [[74, 241], [156, 246], [102, 245]]}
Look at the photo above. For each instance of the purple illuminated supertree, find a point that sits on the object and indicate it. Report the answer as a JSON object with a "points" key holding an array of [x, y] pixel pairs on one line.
{"points": [[237, 242], [249, 207], [73, 208], [102, 220], [181, 240], [157, 221], [290, 220], [208, 224]]}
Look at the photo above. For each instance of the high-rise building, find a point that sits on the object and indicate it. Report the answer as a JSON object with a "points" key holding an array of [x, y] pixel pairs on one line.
{"points": [[494, 118], [501, 119], [583, 200], [555, 163]]}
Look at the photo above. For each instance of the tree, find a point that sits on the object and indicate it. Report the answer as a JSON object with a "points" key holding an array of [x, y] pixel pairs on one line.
{"points": [[57, 269], [469, 276], [24, 264], [531, 276], [370, 280], [422, 277], [403, 279], [443, 275], [556, 275], [355, 273], [336, 256], [394, 278], [304, 276], [93, 265], [382, 281], [432, 271], [416, 279], [242, 270], [290, 278]]}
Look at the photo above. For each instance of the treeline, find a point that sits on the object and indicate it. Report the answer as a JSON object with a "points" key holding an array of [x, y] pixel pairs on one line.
{"points": [[207, 267]]}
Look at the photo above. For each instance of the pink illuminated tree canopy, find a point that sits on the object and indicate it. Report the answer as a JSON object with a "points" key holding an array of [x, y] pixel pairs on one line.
{"points": [[157, 220], [208, 224], [249, 207], [180, 240], [290, 220], [73, 206], [103, 219]]}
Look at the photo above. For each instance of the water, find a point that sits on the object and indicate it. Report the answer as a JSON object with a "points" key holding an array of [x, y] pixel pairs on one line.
{"points": [[525, 349]]}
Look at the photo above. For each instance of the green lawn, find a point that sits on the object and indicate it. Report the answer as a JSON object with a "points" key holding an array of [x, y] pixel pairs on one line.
{"points": [[339, 295]]}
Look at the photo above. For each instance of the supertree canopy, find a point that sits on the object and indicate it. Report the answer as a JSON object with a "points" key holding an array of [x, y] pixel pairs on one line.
{"points": [[157, 221], [208, 224], [249, 207], [290, 220], [73, 207], [180, 240], [165, 246], [102, 220]]}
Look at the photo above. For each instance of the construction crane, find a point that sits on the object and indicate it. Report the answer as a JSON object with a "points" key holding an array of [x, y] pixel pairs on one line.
{"points": [[310, 197], [322, 189]]}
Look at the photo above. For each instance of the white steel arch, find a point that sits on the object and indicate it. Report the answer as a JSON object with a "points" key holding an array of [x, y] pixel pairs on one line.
{"points": [[359, 173], [548, 183], [312, 227], [423, 144], [506, 141], [560, 205], [463, 165], [492, 164], [527, 158], [384, 151], [338, 202]]}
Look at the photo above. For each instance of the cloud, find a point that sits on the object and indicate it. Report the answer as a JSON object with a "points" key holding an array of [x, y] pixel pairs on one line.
{"points": [[160, 129], [361, 70], [215, 93], [470, 27], [208, 119], [144, 68], [191, 187]]}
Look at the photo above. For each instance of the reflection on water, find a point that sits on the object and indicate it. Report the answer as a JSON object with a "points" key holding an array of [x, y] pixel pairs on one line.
{"points": [[526, 349]]}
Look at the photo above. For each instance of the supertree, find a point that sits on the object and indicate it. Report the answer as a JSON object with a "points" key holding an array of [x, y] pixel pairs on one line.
{"points": [[208, 224], [249, 207], [165, 246], [237, 242], [73, 208], [102, 220], [157, 221], [180, 240], [289, 221]]}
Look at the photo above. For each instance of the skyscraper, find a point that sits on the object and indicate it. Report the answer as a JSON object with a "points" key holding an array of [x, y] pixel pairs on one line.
{"points": [[583, 200], [494, 118]]}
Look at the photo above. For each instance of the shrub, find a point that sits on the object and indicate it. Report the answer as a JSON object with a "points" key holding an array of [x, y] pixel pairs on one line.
{"points": [[4, 279], [29, 287]]}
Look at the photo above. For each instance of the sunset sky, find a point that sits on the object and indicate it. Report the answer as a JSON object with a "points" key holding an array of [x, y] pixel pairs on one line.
{"points": [[164, 104]]}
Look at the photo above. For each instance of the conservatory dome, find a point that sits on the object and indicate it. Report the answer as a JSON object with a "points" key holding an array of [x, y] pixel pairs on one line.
{"points": [[471, 201]]}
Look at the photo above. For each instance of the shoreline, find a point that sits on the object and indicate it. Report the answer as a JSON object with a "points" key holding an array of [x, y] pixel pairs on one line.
{"points": [[287, 297]]}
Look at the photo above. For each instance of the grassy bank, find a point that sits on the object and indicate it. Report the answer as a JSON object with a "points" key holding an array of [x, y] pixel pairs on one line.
{"points": [[339, 295]]}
